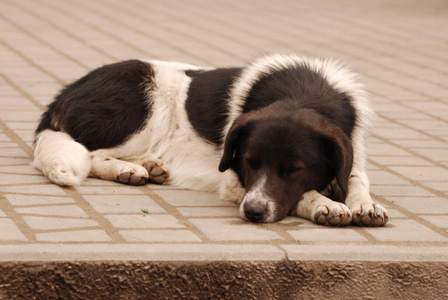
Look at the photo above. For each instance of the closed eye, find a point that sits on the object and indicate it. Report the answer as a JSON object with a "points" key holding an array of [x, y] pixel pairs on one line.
{"points": [[294, 170], [253, 163]]}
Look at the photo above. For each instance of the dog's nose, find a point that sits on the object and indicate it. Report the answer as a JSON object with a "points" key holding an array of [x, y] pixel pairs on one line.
{"points": [[254, 212]]}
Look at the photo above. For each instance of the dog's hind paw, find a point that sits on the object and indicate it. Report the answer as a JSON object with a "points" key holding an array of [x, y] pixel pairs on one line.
{"points": [[158, 171], [133, 175]]}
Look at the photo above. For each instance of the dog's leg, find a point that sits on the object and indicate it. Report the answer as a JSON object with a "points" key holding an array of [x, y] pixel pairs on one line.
{"points": [[135, 171], [157, 170], [113, 169], [322, 210], [62, 160], [230, 188], [364, 211]]}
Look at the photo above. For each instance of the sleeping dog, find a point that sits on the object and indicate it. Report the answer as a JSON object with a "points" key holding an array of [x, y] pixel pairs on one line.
{"points": [[282, 135]]}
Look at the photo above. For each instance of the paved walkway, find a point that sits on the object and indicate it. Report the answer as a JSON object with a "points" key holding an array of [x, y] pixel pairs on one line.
{"points": [[400, 48]]}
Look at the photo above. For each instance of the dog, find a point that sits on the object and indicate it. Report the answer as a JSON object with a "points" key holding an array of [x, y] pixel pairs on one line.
{"points": [[281, 136]]}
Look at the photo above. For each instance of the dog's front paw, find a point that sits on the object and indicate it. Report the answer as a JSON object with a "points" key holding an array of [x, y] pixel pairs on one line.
{"points": [[158, 171], [369, 214], [332, 214]]}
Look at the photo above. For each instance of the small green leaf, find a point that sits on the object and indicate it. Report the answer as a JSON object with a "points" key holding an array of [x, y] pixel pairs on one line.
{"points": [[145, 211]]}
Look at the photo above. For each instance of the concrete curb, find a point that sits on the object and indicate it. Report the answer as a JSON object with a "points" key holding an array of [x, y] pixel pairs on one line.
{"points": [[223, 280], [221, 252]]}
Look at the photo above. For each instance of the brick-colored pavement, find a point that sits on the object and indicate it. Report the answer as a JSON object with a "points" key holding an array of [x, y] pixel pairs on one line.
{"points": [[400, 48]]}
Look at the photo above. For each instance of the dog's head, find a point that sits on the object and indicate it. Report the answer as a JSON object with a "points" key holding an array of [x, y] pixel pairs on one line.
{"points": [[279, 153]]}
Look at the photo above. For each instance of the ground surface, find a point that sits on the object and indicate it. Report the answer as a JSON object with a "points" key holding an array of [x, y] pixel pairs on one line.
{"points": [[400, 48]]}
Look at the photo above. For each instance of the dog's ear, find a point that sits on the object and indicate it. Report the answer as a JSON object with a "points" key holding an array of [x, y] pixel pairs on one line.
{"points": [[230, 143], [339, 154], [233, 138], [337, 146]]}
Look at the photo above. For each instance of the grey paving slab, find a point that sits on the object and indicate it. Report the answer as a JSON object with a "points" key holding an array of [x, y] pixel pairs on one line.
{"points": [[398, 49]]}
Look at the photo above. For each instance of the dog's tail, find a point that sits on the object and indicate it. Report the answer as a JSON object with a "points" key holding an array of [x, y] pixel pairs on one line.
{"points": [[62, 160]]}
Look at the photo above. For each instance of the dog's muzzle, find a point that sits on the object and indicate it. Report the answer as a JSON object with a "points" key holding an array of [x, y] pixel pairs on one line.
{"points": [[255, 211]]}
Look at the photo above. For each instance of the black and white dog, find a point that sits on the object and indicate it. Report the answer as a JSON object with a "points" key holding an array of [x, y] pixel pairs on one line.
{"points": [[287, 132]]}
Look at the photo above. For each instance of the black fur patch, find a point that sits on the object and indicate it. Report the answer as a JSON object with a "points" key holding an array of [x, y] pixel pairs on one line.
{"points": [[105, 107], [306, 89], [207, 102]]}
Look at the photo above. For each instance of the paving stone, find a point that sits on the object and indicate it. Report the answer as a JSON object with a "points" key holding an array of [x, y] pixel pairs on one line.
{"points": [[26, 135], [52, 223], [18, 200], [13, 152], [327, 235], [10, 232], [159, 236], [40, 189], [94, 235], [144, 221], [383, 177], [27, 169], [385, 150], [7, 145], [192, 198], [394, 214], [420, 205], [118, 189], [398, 133], [19, 115], [123, 203], [157, 187], [57, 210], [4, 138], [98, 182], [434, 154], [426, 125], [399, 190], [233, 229], [12, 161], [400, 161], [423, 173], [437, 185], [439, 221], [21, 179], [405, 231], [295, 221], [22, 125], [209, 211]]}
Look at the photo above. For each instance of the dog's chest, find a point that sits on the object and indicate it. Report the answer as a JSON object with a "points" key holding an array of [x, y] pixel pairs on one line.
{"points": [[169, 135]]}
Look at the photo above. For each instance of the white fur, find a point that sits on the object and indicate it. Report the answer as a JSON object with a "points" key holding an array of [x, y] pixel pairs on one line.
{"points": [[109, 168], [257, 195], [174, 65], [230, 188], [168, 134], [61, 159], [318, 208], [334, 72]]}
